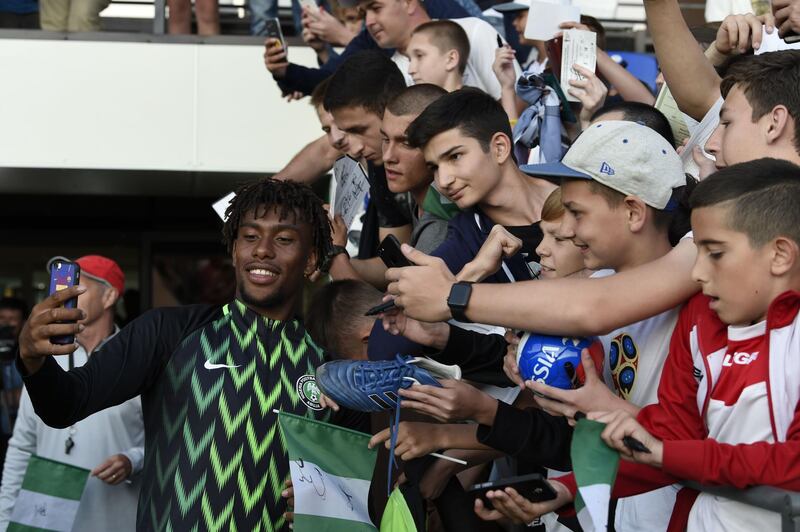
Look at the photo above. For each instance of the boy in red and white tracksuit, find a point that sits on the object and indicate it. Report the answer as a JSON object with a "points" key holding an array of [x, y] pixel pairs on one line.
{"points": [[727, 410]]}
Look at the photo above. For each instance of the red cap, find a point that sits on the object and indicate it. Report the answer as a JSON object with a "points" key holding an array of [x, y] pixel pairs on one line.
{"points": [[104, 270]]}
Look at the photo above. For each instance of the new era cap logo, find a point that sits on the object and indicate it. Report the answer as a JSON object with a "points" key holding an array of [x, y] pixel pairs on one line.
{"points": [[606, 169]]}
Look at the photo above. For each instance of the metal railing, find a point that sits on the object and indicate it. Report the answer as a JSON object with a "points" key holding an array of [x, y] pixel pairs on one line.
{"points": [[785, 503]]}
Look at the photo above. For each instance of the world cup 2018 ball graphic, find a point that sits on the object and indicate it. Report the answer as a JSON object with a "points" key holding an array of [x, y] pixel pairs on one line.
{"points": [[542, 357]]}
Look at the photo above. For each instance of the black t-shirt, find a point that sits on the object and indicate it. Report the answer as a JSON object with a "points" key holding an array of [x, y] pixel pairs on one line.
{"points": [[391, 212], [384, 210]]}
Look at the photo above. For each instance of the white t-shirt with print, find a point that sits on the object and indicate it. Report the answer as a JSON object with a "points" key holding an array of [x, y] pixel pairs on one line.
{"points": [[634, 358]]}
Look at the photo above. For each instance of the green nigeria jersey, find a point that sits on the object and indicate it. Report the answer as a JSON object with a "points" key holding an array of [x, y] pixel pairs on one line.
{"points": [[210, 379]]}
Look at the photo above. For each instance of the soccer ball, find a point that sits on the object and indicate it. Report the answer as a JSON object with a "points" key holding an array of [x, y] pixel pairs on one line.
{"points": [[541, 357]]}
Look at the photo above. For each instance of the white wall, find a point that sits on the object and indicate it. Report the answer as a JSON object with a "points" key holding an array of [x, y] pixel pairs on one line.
{"points": [[146, 106]]}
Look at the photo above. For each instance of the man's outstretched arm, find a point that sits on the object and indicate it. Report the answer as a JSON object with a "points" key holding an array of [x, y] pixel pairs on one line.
{"points": [[690, 76], [559, 306]]}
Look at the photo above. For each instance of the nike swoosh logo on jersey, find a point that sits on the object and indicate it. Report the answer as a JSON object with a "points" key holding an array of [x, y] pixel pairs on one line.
{"points": [[210, 365]]}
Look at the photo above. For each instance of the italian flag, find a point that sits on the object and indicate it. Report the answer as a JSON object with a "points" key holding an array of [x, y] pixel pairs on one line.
{"points": [[49, 498], [594, 465], [331, 470]]}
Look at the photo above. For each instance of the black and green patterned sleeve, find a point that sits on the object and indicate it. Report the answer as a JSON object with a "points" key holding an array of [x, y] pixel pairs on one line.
{"points": [[124, 367]]}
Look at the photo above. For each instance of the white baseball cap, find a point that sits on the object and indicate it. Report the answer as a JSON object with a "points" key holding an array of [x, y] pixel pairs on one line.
{"points": [[625, 156]]}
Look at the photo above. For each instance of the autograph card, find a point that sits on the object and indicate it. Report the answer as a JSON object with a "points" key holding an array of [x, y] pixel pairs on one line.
{"points": [[351, 188], [580, 48]]}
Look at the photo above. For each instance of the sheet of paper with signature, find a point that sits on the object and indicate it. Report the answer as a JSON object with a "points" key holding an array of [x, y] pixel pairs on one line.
{"points": [[351, 188]]}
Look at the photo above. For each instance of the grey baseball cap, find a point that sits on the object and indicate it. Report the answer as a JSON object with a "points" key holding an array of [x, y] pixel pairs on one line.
{"points": [[625, 156]]}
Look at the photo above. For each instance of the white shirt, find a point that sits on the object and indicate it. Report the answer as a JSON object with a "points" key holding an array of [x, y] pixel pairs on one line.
{"points": [[634, 358], [738, 413], [115, 430]]}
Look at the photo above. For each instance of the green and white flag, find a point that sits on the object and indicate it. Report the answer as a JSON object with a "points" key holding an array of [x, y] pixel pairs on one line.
{"points": [[331, 471], [49, 498], [594, 465]]}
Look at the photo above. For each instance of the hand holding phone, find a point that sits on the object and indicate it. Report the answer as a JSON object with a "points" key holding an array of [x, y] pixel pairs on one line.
{"points": [[390, 253], [533, 487], [273, 27], [64, 274]]}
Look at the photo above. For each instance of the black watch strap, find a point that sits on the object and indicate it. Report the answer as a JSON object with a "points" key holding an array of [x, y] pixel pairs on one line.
{"points": [[458, 300], [332, 252]]}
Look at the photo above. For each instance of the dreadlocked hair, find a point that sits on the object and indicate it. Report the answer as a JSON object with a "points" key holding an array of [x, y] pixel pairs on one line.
{"points": [[290, 200]]}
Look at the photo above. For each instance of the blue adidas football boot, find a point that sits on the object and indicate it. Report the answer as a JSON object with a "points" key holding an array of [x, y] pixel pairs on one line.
{"points": [[367, 386]]}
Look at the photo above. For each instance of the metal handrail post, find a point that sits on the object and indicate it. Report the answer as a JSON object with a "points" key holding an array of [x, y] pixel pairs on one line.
{"points": [[160, 19]]}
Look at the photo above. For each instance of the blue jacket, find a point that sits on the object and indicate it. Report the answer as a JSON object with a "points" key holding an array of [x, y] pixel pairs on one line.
{"points": [[466, 233], [304, 79]]}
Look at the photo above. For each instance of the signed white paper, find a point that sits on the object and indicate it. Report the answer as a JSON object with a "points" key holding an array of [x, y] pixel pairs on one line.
{"points": [[351, 188], [321, 494], [579, 48]]}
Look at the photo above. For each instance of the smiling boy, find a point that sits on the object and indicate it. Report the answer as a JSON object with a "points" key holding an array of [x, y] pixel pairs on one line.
{"points": [[466, 140], [438, 53]]}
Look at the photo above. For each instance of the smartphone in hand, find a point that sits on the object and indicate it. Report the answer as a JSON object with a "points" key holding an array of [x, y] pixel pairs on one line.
{"points": [[64, 274], [390, 253], [533, 487], [274, 31]]}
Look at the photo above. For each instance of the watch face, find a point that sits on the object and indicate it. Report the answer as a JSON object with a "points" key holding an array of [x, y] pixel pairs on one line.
{"points": [[459, 294]]}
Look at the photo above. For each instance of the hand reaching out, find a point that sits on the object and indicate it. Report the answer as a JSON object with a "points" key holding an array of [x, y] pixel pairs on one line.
{"points": [[510, 504], [288, 494], [593, 395], [500, 244], [414, 439], [454, 401], [705, 165], [510, 366], [591, 91], [433, 335], [739, 33], [787, 16], [421, 290], [275, 58], [503, 67], [620, 424], [326, 27]]}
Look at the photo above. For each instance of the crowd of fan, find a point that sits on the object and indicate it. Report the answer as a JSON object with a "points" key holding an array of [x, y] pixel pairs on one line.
{"points": [[461, 143]]}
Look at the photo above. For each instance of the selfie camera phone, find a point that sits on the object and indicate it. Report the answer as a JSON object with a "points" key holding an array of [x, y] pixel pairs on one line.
{"points": [[63, 275], [390, 253], [533, 487], [274, 31]]}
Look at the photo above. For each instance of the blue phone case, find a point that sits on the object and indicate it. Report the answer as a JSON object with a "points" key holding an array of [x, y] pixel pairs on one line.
{"points": [[64, 275]]}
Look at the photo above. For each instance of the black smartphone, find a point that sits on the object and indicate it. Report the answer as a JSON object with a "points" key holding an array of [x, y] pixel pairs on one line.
{"points": [[390, 253], [533, 487], [274, 31], [64, 274]]}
